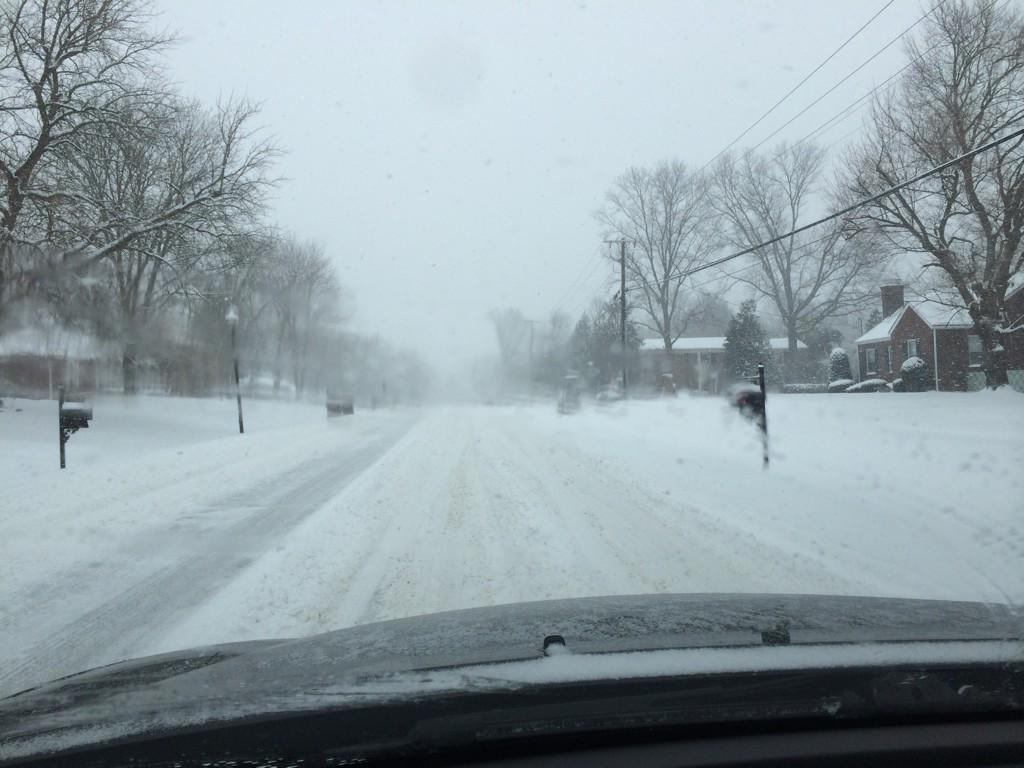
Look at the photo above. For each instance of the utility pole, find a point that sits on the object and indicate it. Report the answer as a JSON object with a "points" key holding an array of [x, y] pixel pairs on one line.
{"points": [[622, 304], [532, 323], [622, 307]]}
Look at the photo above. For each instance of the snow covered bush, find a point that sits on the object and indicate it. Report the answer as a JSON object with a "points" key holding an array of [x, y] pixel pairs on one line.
{"points": [[839, 365], [898, 385], [915, 375], [839, 385], [870, 385], [803, 389]]}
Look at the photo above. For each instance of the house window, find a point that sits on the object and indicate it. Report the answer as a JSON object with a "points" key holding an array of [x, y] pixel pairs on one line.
{"points": [[975, 356], [888, 358], [871, 360], [911, 349]]}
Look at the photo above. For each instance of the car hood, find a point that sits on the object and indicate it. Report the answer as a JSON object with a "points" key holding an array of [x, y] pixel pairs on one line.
{"points": [[442, 653]]}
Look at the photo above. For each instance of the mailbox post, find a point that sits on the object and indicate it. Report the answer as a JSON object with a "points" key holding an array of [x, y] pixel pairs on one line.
{"points": [[232, 318], [71, 417], [763, 420], [752, 403]]}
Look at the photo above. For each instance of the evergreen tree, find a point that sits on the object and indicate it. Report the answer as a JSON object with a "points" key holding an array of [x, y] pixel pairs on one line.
{"points": [[606, 343], [745, 343], [839, 365], [580, 344]]}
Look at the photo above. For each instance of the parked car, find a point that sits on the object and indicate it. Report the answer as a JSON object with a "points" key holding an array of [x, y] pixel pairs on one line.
{"points": [[569, 396], [340, 402]]}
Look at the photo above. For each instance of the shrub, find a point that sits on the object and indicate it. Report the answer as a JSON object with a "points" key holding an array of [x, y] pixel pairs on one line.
{"points": [[839, 365], [839, 385], [898, 385], [870, 385], [915, 375]]}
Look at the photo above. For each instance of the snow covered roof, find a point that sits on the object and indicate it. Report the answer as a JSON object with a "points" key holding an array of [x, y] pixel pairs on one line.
{"points": [[941, 316], [882, 331], [710, 344], [934, 314], [55, 342], [688, 344]]}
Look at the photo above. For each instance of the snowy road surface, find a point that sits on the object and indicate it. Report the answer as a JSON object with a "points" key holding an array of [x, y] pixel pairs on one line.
{"points": [[307, 525]]}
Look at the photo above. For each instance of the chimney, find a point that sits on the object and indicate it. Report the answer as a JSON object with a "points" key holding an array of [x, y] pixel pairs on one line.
{"points": [[892, 298]]}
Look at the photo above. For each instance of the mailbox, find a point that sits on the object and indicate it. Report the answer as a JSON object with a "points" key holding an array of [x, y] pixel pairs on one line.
{"points": [[72, 415], [751, 401], [75, 416], [748, 399]]}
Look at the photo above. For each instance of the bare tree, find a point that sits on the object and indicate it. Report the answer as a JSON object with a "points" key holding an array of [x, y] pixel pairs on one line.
{"points": [[67, 67], [664, 215], [963, 89], [204, 173], [808, 278], [151, 202], [305, 296]]}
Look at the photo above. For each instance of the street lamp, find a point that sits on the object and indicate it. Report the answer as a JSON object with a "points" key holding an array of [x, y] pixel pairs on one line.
{"points": [[232, 318]]}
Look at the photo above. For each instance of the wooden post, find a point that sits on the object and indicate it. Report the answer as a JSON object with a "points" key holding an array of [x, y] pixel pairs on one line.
{"points": [[764, 415], [60, 422]]}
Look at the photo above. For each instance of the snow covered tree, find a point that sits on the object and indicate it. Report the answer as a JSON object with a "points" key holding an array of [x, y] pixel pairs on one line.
{"points": [[839, 365], [745, 343], [151, 203], [580, 343], [962, 89], [67, 70], [606, 350], [304, 294]]}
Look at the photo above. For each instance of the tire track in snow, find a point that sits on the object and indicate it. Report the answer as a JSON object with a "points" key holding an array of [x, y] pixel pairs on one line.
{"points": [[673, 546]]}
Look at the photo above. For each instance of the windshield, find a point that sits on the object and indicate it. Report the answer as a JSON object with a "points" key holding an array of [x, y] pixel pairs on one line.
{"points": [[318, 316]]}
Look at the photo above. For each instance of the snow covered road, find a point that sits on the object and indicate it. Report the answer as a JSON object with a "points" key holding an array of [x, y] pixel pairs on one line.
{"points": [[326, 525]]}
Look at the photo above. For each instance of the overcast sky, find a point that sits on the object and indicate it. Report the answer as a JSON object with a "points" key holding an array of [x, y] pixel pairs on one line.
{"points": [[450, 155]]}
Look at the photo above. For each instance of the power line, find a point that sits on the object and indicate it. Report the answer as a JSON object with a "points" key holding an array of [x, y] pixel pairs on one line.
{"points": [[796, 87], [748, 267], [848, 209], [575, 283], [847, 111], [863, 64], [581, 303], [835, 119]]}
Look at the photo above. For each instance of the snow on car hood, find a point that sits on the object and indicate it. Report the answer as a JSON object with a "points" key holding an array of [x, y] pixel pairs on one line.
{"points": [[471, 650]]}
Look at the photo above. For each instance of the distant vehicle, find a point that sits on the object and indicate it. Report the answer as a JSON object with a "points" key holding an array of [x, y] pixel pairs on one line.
{"points": [[569, 397], [340, 402]]}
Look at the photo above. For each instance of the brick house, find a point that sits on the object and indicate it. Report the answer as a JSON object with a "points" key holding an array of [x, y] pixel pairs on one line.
{"points": [[942, 336]]}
